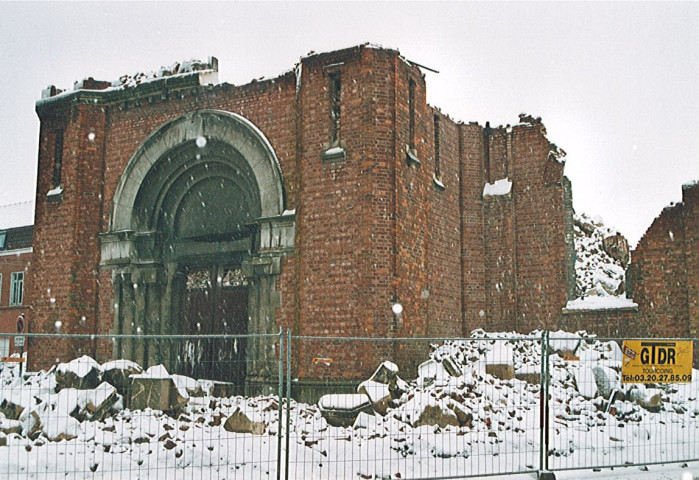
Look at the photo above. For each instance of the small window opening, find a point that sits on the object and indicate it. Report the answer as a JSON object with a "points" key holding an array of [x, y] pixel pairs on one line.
{"points": [[335, 108], [16, 288], [58, 159], [411, 108], [411, 151], [437, 161], [437, 166], [3, 240]]}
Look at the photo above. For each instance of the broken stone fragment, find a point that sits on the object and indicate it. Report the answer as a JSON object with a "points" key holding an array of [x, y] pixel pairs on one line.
{"points": [[187, 386], [238, 422], [342, 409], [499, 361], [436, 415], [607, 380], [8, 427], [378, 393], [117, 373], [648, 398], [530, 374], [585, 382], [451, 366], [431, 372], [464, 417], [82, 373], [617, 247], [10, 407], [565, 344], [101, 402], [155, 389]]}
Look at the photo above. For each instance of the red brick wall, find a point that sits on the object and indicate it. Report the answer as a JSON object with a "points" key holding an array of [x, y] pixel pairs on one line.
{"points": [[663, 270], [608, 323], [472, 174], [443, 256]]}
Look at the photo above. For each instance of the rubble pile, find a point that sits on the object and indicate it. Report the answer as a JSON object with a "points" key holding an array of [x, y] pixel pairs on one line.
{"points": [[601, 257], [471, 397]]}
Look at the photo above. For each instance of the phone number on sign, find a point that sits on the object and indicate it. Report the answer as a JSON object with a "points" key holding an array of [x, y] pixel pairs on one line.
{"points": [[653, 378]]}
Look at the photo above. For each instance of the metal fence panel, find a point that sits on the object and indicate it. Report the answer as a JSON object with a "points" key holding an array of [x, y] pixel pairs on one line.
{"points": [[595, 421], [451, 408], [283, 407], [81, 419]]}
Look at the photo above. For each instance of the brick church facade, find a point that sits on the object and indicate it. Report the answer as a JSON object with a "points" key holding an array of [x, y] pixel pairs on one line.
{"points": [[312, 201]]}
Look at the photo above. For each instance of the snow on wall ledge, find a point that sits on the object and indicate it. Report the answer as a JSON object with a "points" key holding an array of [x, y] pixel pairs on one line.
{"points": [[601, 303], [498, 188]]}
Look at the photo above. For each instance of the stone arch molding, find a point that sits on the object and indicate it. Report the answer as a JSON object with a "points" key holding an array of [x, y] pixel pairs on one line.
{"points": [[212, 125], [236, 144]]}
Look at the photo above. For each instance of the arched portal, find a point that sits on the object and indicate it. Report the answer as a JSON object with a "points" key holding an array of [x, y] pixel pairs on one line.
{"points": [[196, 235]]}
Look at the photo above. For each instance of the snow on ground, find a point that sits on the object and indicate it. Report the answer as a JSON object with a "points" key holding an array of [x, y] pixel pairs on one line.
{"points": [[455, 419]]}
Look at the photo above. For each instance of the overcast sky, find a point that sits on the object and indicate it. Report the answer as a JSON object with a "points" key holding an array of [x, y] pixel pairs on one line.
{"points": [[617, 84]]}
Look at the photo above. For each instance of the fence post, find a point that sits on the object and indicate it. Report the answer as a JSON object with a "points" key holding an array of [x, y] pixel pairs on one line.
{"points": [[542, 409], [546, 401], [281, 404], [288, 401], [544, 406]]}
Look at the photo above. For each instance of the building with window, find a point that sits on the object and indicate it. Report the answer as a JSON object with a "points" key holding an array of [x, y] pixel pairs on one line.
{"points": [[15, 257]]}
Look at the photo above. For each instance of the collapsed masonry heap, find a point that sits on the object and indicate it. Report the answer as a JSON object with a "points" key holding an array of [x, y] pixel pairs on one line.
{"points": [[601, 257]]}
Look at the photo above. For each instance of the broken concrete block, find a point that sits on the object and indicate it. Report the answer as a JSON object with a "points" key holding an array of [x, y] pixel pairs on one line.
{"points": [[223, 389], [436, 415], [451, 366], [386, 373], [365, 420], [82, 373], [342, 409], [464, 417], [10, 409], [187, 386], [238, 422], [379, 395], [585, 382], [565, 344], [100, 402], [530, 374], [499, 361], [117, 373], [8, 426], [501, 371], [607, 380], [648, 398], [155, 389], [430, 372]]}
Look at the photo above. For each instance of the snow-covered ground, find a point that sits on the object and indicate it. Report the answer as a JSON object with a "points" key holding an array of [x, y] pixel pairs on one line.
{"points": [[463, 415]]}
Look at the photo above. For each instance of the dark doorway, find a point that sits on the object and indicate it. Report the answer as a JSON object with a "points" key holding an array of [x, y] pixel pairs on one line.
{"points": [[214, 302]]}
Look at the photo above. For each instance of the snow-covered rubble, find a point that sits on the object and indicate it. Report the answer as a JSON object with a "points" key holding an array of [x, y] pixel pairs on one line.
{"points": [[601, 258], [455, 418]]}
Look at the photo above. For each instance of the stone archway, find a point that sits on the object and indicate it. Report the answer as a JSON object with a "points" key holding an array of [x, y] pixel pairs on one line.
{"points": [[203, 192]]}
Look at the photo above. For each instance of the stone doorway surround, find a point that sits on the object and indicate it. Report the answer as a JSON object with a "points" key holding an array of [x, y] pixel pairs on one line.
{"points": [[205, 187]]}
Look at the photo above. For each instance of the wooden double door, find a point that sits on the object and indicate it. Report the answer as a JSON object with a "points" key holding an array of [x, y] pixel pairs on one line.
{"points": [[214, 301]]}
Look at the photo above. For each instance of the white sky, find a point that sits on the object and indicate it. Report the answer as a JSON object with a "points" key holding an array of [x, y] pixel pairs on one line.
{"points": [[616, 84]]}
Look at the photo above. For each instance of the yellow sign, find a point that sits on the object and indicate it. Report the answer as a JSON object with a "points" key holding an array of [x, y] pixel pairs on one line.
{"points": [[657, 361]]}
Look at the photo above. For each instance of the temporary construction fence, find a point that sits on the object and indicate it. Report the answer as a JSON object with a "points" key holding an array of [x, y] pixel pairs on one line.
{"points": [[428, 408]]}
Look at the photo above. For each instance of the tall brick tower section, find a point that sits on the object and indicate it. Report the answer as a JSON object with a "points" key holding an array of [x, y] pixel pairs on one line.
{"points": [[334, 191]]}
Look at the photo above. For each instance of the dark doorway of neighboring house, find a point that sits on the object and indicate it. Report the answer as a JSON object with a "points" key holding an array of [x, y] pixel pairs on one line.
{"points": [[214, 302]]}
